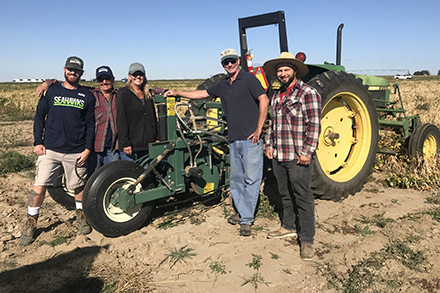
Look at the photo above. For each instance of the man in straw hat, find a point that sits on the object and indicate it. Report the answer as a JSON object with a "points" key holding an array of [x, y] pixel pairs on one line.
{"points": [[291, 144], [245, 104]]}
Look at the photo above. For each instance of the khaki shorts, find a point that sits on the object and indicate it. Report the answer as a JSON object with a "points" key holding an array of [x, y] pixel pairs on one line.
{"points": [[51, 165]]}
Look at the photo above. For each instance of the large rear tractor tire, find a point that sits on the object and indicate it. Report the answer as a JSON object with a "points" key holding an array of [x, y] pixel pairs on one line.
{"points": [[209, 82], [102, 215], [424, 141], [349, 136]]}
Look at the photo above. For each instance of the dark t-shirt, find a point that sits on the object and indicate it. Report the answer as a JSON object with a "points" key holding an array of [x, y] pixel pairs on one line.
{"points": [[240, 103], [65, 121]]}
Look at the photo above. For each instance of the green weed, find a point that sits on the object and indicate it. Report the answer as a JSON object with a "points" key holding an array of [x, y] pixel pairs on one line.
{"points": [[256, 262], [12, 162], [416, 181], [367, 273], [411, 216], [406, 256], [109, 288], [257, 228], [329, 245], [274, 255], [412, 238], [256, 278], [423, 106], [265, 208], [217, 268], [378, 220], [178, 255], [363, 231], [168, 222], [59, 239], [434, 199], [435, 215]]}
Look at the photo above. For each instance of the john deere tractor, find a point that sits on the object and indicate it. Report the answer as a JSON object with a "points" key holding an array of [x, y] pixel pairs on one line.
{"points": [[354, 109]]}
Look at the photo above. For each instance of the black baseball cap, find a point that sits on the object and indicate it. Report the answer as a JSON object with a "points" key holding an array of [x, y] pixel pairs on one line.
{"points": [[74, 63], [103, 70]]}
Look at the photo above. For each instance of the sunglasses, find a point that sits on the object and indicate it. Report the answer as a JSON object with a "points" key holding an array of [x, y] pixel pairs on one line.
{"points": [[137, 73], [227, 61], [102, 78], [76, 71]]}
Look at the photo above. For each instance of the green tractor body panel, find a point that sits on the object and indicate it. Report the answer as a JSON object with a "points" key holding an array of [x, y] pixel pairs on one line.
{"points": [[378, 87], [316, 69]]}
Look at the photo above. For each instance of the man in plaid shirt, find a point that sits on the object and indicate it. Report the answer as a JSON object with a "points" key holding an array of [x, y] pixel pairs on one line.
{"points": [[291, 144]]}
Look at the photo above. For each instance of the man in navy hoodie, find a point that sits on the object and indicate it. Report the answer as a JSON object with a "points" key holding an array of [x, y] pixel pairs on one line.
{"points": [[63, 138]]}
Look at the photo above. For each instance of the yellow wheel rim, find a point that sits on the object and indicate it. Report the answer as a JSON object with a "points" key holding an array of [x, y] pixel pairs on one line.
{"points": [[346, 136], [430, 147]]}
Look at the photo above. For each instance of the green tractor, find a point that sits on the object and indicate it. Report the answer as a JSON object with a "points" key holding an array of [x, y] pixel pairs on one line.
{"points": [[354, 109]]}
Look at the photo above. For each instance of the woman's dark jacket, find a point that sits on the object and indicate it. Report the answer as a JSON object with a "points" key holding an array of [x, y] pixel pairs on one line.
{"points": [[136, 123]]}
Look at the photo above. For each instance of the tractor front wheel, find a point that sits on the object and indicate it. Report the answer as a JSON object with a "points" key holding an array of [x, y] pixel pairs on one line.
{"points": [[424, 141], [349, 135], [98, 201]]}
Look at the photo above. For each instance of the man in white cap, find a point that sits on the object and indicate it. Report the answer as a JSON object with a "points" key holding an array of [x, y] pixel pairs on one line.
{"points": [[291, 143], [245, 104]]}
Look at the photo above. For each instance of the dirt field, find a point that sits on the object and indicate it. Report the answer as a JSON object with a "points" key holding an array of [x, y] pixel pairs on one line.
{"points": [[381, 239]]}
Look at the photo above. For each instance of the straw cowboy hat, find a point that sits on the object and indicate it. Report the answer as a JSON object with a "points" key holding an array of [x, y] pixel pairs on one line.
{"points": [[287, 59]]}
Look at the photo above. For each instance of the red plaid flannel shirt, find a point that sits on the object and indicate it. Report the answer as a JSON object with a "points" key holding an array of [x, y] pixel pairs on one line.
{"points": [[105, 116], [296, 123]]}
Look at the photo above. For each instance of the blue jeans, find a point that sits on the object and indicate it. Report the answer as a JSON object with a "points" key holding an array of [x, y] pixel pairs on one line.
{"points": [[97, 159], [245, 177], [134, 155], [294, 186]]}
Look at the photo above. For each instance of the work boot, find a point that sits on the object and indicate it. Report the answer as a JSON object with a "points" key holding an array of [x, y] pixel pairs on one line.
{"points": [[81, 223], [281, 233], [27, 236], [245, 230], [234, 219], [307, 252]]}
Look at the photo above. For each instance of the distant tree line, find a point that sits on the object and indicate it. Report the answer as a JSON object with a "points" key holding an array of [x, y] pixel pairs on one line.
{"points": [[424, 72]]}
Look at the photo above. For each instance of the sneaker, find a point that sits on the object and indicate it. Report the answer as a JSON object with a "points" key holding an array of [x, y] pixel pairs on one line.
{"points": [[81, 223], [27, 236], [245, 230], [307, 251], [234, 219], [281, 233]]}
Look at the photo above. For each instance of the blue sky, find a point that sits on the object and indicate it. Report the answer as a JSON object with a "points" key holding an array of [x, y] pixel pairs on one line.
{"points": [[183, 39]]}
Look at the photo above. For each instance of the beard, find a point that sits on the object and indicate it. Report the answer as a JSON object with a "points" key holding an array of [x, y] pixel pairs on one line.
{"points": [[288, 82], [72, 79]]}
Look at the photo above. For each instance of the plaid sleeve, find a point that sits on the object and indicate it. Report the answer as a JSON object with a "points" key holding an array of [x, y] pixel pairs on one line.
{"points": [[312, 114]]}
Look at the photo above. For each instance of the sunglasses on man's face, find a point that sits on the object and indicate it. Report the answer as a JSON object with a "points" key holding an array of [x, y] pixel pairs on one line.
{"points": [[102, 78], [75, 71], [227, 61]]}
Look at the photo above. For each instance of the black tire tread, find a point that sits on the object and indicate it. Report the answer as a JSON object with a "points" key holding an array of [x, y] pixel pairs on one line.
{"points": [[326, 84], [92, 199], [418, 137]]}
